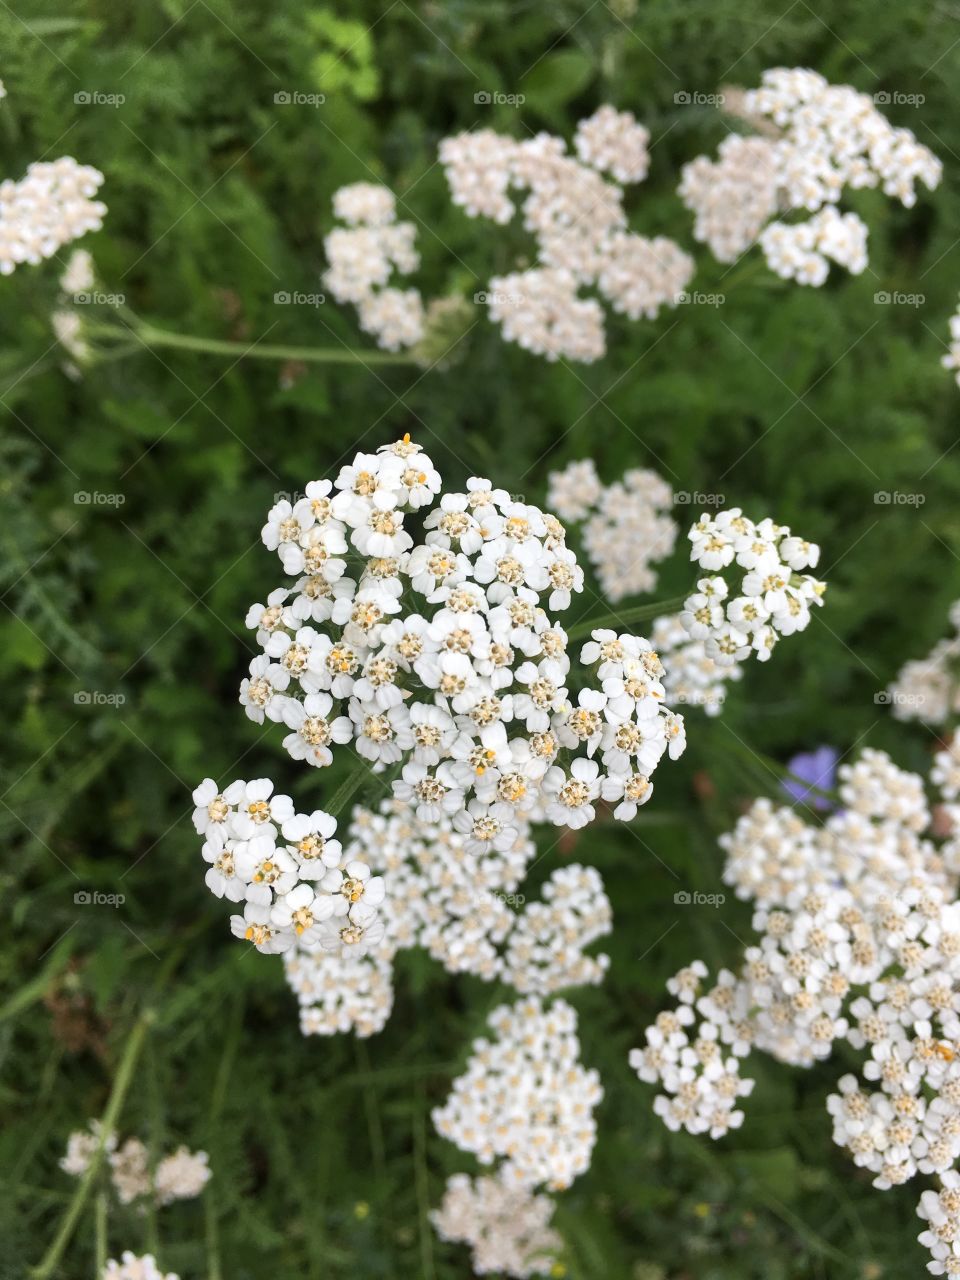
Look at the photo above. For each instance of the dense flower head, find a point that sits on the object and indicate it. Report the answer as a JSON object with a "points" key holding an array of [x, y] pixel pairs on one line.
{"points": [[577, 219], [858, 940], [365, 255], [458, 898], [286, 868], [773, 597], [46, 210], [179, 1176], [132, 1267], [525, 1099], [952, 359], [928, 689], [507, 1228], [692, 678], [627, 525], [816, 140], [433, 652]]}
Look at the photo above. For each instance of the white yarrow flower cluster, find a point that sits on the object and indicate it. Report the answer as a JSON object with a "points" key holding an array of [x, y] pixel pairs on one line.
{"points": [[525, 1099], [439, 656], [627, 526], [132, 1267], [291, 875], [179, 1176], [859, 941], [817, 140], [507, 1227], [692, 678], [928, 689], [952, 359], [457, 898], [774, 595], [365, 255], [578, 222], [46, 210]]}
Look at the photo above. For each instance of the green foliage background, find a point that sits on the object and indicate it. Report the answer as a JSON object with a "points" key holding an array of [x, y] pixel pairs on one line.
{"points": [[792, 402]]}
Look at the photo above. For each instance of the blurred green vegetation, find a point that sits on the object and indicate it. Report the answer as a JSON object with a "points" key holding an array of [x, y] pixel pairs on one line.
{"points": [[793, 402]]}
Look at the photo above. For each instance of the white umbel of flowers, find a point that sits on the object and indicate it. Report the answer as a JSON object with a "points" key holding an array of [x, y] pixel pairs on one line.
{"points": [[928, 689], [132, 1267], [507, 1228], [440, 656], [816, 140], [577, 219], [525, 1099], [858, 940], [626, 526], [757, 591], [365, 255]]}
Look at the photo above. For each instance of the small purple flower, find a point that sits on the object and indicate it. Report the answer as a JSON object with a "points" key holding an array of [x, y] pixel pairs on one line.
{"points": [[818, 769]]}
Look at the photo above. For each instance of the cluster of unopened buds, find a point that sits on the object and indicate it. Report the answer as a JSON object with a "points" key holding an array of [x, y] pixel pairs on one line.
{"points": [[577, 218], [859, 941], [772, 598], [179, 1176], [814, 141]]}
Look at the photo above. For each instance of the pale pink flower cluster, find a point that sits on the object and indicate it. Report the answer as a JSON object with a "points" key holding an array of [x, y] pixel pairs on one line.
{"points": [[817, 140], [364, 256], [179, 1176], [859, 941], [580, 228]]}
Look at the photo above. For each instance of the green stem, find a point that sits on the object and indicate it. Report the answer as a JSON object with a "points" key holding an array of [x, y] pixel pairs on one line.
{"points": [[342, 795], [624, 617], [121, 1084], [152, 337], [100, 1228], [422, 1184]]}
